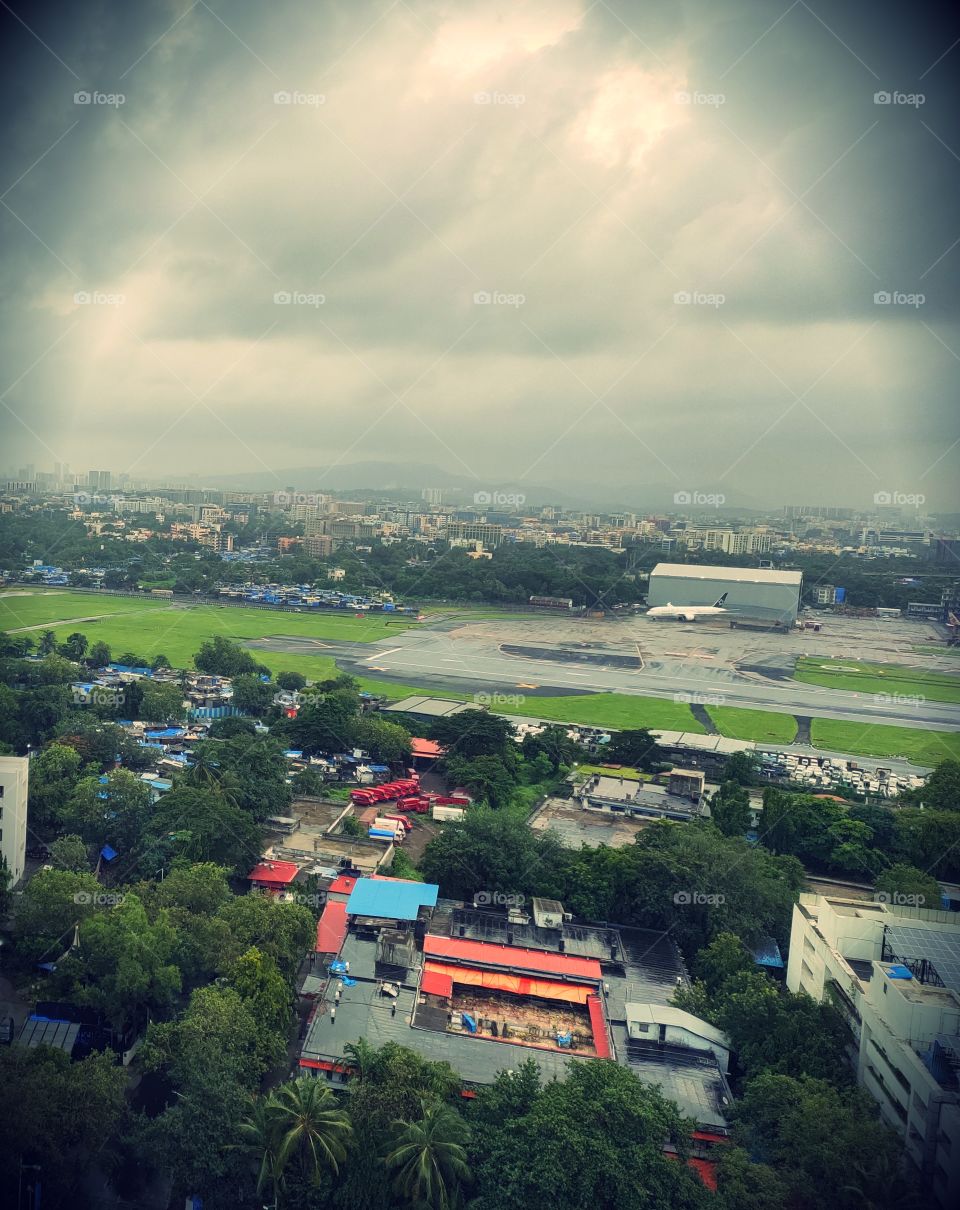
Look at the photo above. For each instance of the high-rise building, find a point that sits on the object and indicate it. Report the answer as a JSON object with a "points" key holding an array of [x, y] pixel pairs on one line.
{"points": [[14, 779], [893, 973], [432, 495]]}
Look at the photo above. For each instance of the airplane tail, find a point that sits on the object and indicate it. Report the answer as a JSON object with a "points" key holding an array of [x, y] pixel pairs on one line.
{"points": [[719, 604]]}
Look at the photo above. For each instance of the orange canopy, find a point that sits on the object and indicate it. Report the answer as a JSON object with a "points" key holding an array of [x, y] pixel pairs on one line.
{"points": [[518, 985]]}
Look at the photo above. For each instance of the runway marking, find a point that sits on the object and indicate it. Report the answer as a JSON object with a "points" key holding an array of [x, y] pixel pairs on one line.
{"points": [[379, 655]]}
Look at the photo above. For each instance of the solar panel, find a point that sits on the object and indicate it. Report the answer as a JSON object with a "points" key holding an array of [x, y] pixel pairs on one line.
{"points": [[942, 950]]}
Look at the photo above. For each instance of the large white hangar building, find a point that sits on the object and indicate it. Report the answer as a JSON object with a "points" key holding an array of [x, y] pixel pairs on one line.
{"points": [[761, 593]]}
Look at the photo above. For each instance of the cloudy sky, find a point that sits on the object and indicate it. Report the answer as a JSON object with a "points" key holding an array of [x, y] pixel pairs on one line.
{"points": [[610, 244]]}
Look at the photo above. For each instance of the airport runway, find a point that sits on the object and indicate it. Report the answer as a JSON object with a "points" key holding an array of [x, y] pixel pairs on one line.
{"points": [[703, 664]]}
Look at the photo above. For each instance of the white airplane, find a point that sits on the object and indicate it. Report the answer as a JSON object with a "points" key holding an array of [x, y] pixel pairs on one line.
{"points": [[687, 613]]}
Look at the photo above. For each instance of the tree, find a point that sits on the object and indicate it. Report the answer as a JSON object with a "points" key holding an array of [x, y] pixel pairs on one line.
{"points": [[309, 782], [817, 1137], [267, 995], [493, 851], [54, 773], [99, 655], [47, 644], [291, 681], [388, 743], [69, 853], [428, 1157], [204, 826], [200, 889], [742, 768], [161, 703], [220, 657], [52, 904], [473, 733], [594, 1138], [743, 1185], [903, 883], [719, 961], [230, 728], [251, 695], [636, 747], [730, 809], [285, 931], [486, 777], [125, 963], [113, 809], [66, 1114], [941, 791], [313, 1131], [75, 646]]}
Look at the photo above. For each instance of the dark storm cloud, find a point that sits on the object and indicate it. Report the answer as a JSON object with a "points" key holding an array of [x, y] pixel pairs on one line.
{"points": [[683, 214]]}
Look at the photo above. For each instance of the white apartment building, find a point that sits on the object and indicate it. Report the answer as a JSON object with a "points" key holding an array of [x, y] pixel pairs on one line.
{"points": [[894, 974], [730, 541], [14, 779]]}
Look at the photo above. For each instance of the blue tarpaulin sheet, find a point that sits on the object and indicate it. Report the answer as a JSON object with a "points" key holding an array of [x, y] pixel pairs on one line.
{"points": [[107, 853], [468, 1022], [900, 972]]}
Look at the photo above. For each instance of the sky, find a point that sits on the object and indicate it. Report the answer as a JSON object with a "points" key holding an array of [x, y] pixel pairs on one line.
{"points": [[613, 247]]}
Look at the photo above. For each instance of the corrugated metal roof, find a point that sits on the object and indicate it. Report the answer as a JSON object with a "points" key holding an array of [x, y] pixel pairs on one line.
{"points": [[743, 575], [274, 871], [391, 900], [482, 953], [332, 928]]}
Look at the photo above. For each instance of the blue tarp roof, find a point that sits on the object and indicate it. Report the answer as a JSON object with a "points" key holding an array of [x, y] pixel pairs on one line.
{"points": [[900, 972], [379, 768], [107, 853], [767, 953], [165, 733], [391, 900]]}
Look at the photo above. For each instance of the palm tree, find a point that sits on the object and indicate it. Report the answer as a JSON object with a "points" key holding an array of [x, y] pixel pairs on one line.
{"points": [[260, 1136], [362, 1056], [429, 1157], [310, 1127]]}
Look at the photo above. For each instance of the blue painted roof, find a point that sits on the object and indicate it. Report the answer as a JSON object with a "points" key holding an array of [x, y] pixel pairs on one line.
{"points": [[391, 900]]}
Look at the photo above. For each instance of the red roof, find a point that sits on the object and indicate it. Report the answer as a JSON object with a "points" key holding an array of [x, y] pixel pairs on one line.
{"points": [[332, 928], [280, 872], [599, 1026], [483, 953], [425, 747], [343, 884], [434, 983]]}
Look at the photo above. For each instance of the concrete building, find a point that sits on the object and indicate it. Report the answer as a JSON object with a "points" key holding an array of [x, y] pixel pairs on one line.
{"points": [[14, 780], [825, 594], [894, 973], [490, 535], [761, 593], [729, 541]]}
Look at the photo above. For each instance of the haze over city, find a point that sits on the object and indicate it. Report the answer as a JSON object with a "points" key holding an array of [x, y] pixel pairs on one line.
{"points": [[614, 249]]}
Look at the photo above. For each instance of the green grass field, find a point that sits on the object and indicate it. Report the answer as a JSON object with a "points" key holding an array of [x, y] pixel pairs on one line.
{"points": [[40, 608], [148, 627], [857, 677], [921, 747], [626, 773], [759, 725]]}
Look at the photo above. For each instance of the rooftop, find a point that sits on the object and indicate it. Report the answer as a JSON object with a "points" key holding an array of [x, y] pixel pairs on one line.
{"points": [[389, 899], [433, 707], [743, 575]]}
